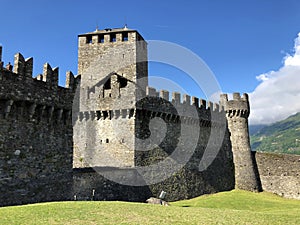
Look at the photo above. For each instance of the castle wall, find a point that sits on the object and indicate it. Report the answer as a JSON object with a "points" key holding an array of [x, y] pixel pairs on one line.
{"points": [[279, 173], [195, 134], [85, 180], [171, 141], [35, 135], [183, 184], [103, 141]]}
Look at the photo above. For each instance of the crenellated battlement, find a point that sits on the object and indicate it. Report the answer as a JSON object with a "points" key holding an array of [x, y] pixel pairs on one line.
{"points": [[23, 68], [109, 36], [186, 100], [238, 106], [34, 99], [188, 110]]}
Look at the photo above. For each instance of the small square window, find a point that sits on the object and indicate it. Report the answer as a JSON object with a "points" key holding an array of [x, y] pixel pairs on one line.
{"points": [[89, 39], [125, 37], [113, 38], [101, 38]]}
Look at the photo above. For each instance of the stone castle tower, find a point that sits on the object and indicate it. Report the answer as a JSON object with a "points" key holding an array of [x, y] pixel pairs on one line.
{"points": [[114, 72], [237, 113], [110, 116]]}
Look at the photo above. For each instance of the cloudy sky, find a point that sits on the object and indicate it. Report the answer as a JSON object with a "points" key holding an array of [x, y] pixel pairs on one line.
{"points": [[249, 46], [278, 94]]}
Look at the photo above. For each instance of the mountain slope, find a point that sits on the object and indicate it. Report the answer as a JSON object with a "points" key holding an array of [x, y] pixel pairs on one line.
{"points": [[282, 136], [253, 129]]}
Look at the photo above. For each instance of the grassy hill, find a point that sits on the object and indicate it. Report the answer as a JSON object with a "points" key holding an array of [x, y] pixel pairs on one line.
{"points": [[282, 136], [234, 207]]}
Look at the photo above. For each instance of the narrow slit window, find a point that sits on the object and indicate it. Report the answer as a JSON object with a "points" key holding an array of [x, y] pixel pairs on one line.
{"points": [[105, 114], [131, 113], [98, 116]]}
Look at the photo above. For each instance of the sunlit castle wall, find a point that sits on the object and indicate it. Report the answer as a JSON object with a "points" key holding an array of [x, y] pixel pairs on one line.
{"points": [[35, 134]]}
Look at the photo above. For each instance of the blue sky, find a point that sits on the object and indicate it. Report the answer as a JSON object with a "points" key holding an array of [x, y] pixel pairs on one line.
{"points": [[238, 40]]}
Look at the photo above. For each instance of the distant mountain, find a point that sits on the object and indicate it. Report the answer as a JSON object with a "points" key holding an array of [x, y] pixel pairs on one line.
{"points": [[282, 136], [253, 129]]}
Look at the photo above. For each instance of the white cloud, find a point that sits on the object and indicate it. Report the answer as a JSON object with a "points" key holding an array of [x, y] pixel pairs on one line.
{"points": [[278, 94], [265, 76]]}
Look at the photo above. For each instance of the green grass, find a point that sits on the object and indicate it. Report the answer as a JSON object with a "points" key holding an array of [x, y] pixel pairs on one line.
{"points": [[234, 207]]}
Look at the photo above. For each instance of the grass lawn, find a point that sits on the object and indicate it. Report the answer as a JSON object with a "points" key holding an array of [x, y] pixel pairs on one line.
{"points": [[234, 207]]}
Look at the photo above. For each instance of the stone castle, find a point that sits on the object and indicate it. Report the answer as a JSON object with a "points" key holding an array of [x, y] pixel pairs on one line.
{"points": [[108, 136]]}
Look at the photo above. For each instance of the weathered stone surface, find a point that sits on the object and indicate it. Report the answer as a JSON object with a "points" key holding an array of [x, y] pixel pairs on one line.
{"points": [[280, 173], [125, 130], [237, 113], [114, 70], [125, 124], [35, 138]]}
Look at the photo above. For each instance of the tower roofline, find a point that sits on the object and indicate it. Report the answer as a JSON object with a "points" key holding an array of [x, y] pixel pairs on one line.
{"points": [[110, 31]]}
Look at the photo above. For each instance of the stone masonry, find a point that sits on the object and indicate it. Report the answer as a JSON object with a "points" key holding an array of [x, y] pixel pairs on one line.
{"points": [[36, 144], [109, 136], [237, 113], [113, 65]]}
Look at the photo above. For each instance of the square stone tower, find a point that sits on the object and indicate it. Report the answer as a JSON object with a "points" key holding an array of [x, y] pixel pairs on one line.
{"points": [[114, 73]]}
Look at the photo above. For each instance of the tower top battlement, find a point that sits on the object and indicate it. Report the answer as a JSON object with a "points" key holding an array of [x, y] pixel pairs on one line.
{"points": [[238, 103], [110, 35], [110, 31]]}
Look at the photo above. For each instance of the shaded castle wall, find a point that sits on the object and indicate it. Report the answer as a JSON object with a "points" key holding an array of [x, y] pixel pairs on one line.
{"points": [[193, 146], [85, 180], [35, 135], [280, 173]]}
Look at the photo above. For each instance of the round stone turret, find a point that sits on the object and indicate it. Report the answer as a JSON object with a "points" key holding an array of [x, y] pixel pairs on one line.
{"points": [[237, 113]]}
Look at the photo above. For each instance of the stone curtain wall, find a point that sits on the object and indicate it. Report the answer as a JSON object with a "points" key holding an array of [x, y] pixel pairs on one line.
{"points": [[280, 173], [184, 184], [188, 127], [85, 180], [35, 135]]}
